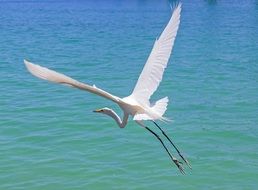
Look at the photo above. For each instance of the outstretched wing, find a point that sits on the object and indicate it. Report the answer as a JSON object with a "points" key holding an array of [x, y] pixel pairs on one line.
{"points": [[53, 76], [153, 70]]}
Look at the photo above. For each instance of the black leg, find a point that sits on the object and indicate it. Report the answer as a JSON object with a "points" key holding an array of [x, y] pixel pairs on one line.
{"points": [[178, 164], [179, 153]]}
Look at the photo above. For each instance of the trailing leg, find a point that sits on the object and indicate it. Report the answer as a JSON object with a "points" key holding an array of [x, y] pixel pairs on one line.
{"points": [[178, 163], [179, 153]]}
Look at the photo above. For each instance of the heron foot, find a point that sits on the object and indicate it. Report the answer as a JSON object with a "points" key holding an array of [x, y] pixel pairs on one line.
{"points": [[186, 161], [179, 165]]}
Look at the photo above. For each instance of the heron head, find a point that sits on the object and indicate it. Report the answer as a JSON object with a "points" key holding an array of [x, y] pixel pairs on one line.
{"points": [[103, 111]]}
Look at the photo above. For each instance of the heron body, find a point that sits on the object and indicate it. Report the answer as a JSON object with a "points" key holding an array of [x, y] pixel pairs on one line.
{"points": [[138, 103]]}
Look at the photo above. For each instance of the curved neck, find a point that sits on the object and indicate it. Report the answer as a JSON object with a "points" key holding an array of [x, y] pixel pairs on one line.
{"points": [[118, 120]]}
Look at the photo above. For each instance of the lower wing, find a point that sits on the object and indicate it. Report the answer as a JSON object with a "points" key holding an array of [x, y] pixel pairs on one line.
{"points": [[53, 76]]}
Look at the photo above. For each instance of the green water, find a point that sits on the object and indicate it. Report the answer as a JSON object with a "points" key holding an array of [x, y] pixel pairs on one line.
{"points": [[51, 139]]}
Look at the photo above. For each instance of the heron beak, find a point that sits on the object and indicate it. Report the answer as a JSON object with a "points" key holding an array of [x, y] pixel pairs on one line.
{"points": [[97, 111]]}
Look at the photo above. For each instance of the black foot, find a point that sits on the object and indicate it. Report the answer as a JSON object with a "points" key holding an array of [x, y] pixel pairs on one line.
{"points": [[179, 165]]}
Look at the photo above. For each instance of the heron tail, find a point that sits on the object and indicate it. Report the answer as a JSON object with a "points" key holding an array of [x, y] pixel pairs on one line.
{"points": [[160, 106], [156, 111]]}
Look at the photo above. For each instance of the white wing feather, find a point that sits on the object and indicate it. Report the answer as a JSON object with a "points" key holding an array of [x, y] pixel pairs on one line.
{"points": [[53, 76], [153, 70]]}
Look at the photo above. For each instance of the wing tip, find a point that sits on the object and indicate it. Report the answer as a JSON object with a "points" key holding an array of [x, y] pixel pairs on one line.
{"points": [[28, 64], [25, 62], [175, 5], [178, 5], [31, 67]]}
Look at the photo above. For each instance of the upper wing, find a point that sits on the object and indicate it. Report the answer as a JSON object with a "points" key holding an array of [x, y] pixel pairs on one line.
{"points": [[152, 72], [53, 76]]}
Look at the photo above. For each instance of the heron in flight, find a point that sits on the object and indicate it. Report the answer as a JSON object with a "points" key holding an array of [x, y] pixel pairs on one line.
{"points": [[138, 103]]}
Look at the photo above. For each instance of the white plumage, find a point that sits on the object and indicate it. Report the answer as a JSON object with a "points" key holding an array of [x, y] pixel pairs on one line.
{"points": [[153, 70], [138, 103]]}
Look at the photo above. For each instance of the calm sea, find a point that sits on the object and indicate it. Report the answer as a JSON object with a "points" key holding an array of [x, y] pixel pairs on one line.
{"points": [[49, 137]]}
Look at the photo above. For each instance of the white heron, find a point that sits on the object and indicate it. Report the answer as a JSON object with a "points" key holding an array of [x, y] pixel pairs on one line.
{"points": [[137, 104]]}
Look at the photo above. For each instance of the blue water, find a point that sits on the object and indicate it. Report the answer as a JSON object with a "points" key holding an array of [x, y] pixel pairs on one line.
{"points": [[51, 139]]}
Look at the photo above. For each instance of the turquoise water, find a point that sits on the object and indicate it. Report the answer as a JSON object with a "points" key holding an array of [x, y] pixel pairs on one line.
{"points": [[51, 139]]}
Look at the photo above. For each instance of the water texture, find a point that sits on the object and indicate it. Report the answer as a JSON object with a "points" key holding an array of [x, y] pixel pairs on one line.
{"points": [[51, 139]]}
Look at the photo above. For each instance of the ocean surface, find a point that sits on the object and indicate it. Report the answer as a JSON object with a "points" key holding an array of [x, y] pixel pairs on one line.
{"points": [[49, 137]]}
